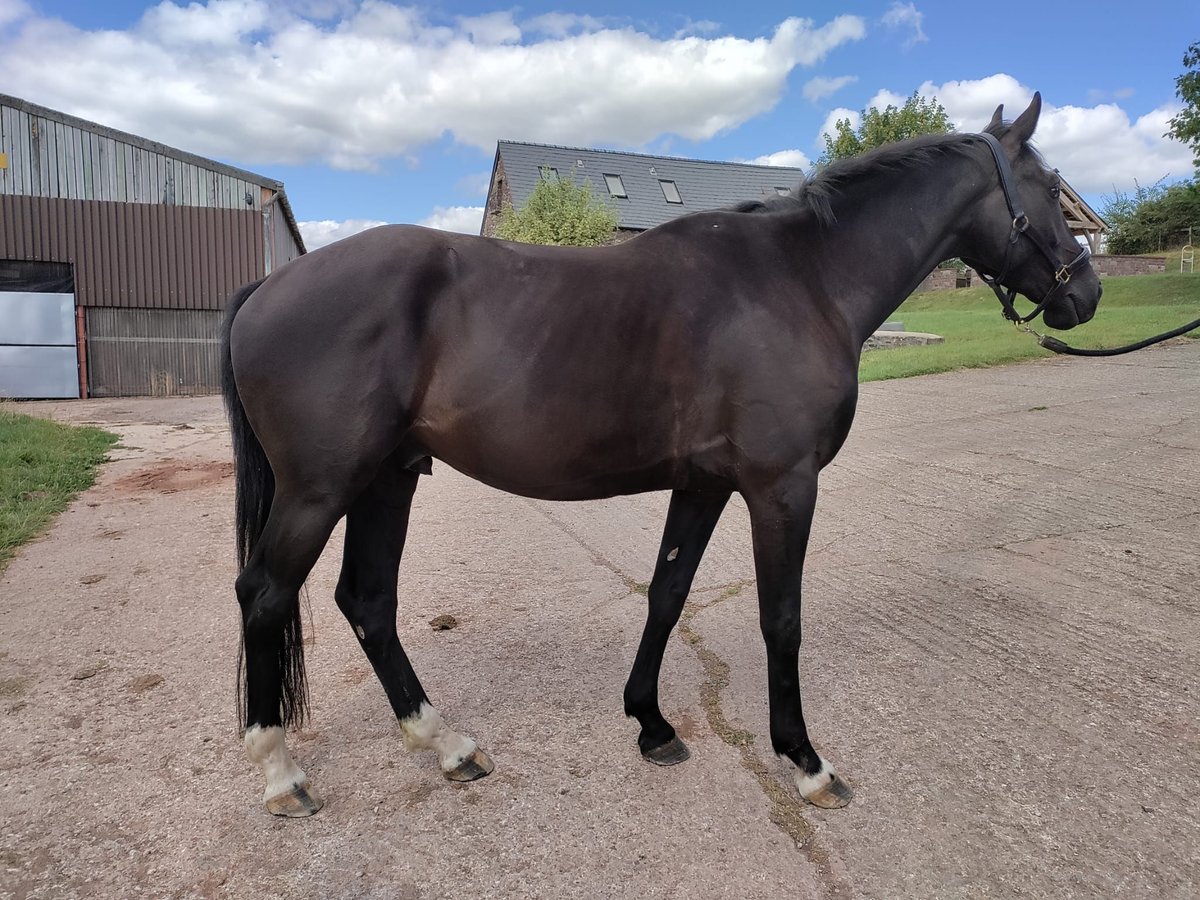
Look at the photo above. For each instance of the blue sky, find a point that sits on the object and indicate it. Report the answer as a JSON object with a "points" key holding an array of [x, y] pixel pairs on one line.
{"points": [[380, 111]]}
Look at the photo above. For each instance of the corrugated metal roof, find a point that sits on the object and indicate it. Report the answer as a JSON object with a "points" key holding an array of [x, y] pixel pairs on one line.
{"points": [[701, 184]]}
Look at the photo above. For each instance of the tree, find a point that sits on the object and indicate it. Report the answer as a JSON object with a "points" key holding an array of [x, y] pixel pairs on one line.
{"points": [[916, 117], [1185, 126], [559, 212], [1155, 218]]}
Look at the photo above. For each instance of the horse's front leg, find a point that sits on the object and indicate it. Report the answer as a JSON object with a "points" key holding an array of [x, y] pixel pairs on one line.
{"points": [[781, 518]]}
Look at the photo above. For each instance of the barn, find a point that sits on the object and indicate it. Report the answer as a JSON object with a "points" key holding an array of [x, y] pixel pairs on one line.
{"points": [[117, 254]]}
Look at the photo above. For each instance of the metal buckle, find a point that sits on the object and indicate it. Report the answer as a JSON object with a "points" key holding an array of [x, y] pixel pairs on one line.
{"points": [[1023, 326], [1020, 223], [1063, 275]]}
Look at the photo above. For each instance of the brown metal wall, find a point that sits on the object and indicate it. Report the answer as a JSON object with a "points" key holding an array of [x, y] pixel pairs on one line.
{"points": [[137, 255], [153, 352]]}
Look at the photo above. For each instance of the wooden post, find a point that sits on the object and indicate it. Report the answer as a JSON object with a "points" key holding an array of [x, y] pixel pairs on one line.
{"points": [[81, 349]]}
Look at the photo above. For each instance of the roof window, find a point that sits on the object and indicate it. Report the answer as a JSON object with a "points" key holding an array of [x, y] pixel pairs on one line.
{"points": [[670, 191], [616, 187], [549, 173]]}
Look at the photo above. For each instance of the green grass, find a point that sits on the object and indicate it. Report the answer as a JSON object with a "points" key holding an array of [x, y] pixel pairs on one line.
{"points": [[43, 466], [977, 336]]}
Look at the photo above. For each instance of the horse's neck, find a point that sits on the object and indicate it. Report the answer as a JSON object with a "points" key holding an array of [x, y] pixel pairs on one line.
{"points": [[894, 229]]}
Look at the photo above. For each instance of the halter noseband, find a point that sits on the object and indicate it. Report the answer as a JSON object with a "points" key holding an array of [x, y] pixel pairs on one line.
{"points": [[1021, 226]]}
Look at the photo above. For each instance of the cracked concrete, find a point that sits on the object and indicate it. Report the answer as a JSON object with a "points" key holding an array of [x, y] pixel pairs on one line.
{"points": [[1002, 631]]}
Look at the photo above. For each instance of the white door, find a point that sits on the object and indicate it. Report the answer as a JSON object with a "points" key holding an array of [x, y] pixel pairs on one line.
{"points": [[38, 358]]}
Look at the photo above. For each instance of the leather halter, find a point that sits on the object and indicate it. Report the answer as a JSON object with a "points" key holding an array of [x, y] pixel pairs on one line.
{"points": [[1021, 226]]}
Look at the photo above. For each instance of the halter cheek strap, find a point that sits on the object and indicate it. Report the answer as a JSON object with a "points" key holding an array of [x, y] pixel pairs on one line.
{"points": [[1021, 226]]}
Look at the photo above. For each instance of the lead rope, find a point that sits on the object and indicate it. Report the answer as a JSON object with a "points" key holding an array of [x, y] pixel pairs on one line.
{"points": [[1056, 346]]}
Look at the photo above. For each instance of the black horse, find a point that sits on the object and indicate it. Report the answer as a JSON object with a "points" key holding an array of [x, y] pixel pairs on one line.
{"points": [[716, 353]]}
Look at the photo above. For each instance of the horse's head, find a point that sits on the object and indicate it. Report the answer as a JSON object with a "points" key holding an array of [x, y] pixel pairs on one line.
{"points": [[1020, 240]]}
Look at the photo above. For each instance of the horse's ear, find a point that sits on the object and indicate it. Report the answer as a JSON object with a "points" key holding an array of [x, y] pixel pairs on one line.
{"points": [[1022, 129], [997, 118]]}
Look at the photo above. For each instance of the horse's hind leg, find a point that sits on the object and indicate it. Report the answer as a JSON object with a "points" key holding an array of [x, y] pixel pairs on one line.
{"points": [[366, 594], [691, 518], [268, 592]]}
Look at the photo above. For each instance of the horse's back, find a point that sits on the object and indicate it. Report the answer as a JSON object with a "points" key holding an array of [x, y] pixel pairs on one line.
{"points": [[545, 371]]}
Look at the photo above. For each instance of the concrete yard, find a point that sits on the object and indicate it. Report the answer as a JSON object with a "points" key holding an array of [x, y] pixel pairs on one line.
{"points": [[1002, 641]]}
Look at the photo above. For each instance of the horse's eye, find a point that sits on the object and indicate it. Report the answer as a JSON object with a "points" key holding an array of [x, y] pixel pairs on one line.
{"points": [[1055, 191]]}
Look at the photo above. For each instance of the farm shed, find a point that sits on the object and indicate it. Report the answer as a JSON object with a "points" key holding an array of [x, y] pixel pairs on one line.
{"points": [[644, 191], [117, 254]]}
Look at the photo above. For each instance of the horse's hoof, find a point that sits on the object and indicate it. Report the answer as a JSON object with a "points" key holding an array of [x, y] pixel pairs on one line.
{"points": [[826, 789], [672, 753], [296, 803], [477, 765]]}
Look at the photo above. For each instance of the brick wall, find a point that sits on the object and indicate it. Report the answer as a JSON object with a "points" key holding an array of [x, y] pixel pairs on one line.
{"points": [[1106, 264]]}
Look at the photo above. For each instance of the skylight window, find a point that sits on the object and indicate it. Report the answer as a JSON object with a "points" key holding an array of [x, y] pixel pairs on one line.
{"points": [[616, 187], [549, 173], [670, 191], [782, 192]]}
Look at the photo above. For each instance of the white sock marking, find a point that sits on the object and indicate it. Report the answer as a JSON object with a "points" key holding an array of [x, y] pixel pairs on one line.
{"points": [[426, 730], [266, 748], [808, 785]]}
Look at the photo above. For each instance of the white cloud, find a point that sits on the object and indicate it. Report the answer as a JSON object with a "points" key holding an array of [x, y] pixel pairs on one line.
{"points": [[255, 81], [491, 28], [885, 98], [1096, 147], [221, 22], [320, 9], [326, 231], [827, 127], [970, 104], [13, 11], [819, 88], [793, 158], [906, 15], [464, 219], [1098, 95], [701, 26], [558, 24]]}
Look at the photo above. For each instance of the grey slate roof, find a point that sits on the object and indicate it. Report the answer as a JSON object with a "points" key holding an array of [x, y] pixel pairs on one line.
{"points": [[702, 185]]}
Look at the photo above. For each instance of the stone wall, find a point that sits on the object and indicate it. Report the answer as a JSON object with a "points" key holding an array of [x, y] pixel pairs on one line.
{"points": [[945, 280], [1106, 264]]}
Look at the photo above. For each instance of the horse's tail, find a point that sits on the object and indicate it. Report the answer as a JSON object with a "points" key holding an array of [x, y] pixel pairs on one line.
{"points": [[254, 485], [254, 482]]}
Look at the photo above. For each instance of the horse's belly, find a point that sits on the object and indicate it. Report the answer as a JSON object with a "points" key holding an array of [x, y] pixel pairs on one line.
{"points": [[553, 459]]}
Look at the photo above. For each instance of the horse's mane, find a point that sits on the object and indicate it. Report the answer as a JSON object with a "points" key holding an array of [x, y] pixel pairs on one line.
{"points": [[816, 194]]}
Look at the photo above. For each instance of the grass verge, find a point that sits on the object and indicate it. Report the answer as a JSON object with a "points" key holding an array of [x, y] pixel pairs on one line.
{"points": [[43, 467], [1132, 308]]}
